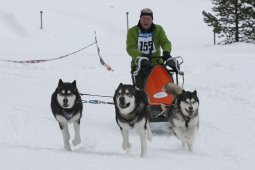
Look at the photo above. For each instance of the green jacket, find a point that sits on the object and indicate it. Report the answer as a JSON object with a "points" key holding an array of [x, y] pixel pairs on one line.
{"points": [[159, 39]]}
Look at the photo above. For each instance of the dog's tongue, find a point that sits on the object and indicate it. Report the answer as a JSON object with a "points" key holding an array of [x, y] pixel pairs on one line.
{"points": [[124, 105], [65, 105], [190, 112]]}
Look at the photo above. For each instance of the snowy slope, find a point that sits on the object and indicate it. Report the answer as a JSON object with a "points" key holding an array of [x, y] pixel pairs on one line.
{"points": [[30, 136]]}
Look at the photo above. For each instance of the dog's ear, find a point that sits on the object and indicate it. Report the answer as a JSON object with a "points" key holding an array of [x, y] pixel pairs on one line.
{"points": [[120, 85], [74, 83], [184, 92], [194, 92], [60, 82], [117, 90]]}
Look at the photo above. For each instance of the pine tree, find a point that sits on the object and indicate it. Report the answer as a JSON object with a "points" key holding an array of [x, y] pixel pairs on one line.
{"points": [[234, 20]]}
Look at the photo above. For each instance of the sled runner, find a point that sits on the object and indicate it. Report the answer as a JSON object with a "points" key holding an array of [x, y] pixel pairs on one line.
{"points": [[155, 79]]}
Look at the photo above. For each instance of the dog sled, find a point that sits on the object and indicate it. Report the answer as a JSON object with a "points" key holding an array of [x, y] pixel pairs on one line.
{"points": [[154, 81]]}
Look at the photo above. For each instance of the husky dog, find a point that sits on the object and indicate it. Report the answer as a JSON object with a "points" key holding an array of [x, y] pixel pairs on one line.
{"points": [[66, 107], [132, 110], [184, 118]]}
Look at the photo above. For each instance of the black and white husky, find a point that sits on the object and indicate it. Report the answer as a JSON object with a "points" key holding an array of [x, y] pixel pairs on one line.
{"points": [[184, 118], [66, 107], [132, 110]]}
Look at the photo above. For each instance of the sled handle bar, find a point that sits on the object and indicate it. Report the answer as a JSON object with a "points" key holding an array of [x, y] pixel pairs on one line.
{"points": [[172, 58], [178, 60], [178, 57]]}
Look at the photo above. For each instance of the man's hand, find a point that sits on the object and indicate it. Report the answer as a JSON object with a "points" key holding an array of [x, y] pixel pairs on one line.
{"points": [[166, 55], [171, 63]]}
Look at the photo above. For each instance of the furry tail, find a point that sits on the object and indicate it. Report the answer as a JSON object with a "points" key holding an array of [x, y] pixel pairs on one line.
{"points": [[173, 89]]}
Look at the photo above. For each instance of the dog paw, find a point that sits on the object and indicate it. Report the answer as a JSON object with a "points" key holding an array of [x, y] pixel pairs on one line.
{"points": [[190, 147], [76, 141], [68, 148], [126, 146], [143, 154], [183, 144]]}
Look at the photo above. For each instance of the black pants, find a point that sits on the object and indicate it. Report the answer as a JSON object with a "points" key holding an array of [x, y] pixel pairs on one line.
{"points": [[139, 79]]}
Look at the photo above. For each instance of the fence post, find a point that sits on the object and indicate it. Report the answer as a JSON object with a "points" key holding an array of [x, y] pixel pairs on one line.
{"points": [[127, 21], [41, 12]]}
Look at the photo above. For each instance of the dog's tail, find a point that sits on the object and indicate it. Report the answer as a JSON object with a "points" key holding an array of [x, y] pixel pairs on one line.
{"points": [[173, 89]]}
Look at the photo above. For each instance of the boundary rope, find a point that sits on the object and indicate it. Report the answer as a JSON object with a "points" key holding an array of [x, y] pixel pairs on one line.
{"points": [[44, 60], [64, 56]]}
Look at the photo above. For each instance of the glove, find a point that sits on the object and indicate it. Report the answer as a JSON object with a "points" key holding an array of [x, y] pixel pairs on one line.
{"points": [[145, 61], [166, 55], [171, 63]]}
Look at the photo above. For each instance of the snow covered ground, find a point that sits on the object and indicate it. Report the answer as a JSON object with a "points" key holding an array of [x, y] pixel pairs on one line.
{"points": [[30, 137]]}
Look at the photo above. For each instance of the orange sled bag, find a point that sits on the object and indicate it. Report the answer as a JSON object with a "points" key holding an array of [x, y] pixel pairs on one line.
{"points": [[154, 84]]}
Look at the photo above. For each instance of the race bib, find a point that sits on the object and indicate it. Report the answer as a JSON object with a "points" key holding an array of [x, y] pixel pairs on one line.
{"points": [[145, 43]]}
